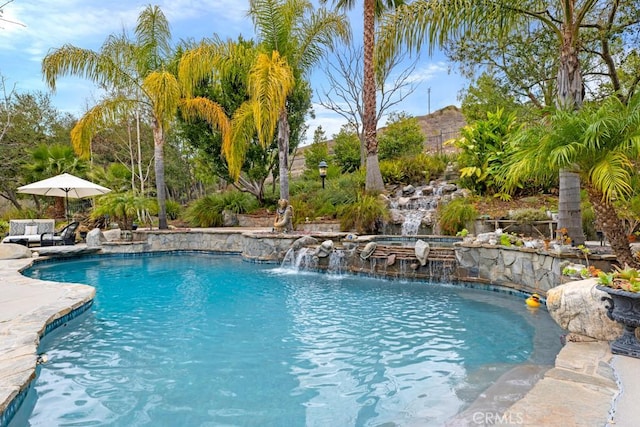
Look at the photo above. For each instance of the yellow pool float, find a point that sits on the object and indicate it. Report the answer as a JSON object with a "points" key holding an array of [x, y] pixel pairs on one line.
{"points": [[533, 300]]}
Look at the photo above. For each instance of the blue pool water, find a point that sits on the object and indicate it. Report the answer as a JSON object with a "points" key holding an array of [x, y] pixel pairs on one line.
{"points": [[205, 340]]}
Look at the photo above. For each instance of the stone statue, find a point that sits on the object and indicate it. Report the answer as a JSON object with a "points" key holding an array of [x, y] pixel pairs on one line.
{"points": [[284, 217]]}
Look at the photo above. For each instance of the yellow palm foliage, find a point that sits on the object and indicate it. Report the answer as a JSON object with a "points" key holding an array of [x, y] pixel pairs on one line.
{"points": [[163, 91], [270, 82]]}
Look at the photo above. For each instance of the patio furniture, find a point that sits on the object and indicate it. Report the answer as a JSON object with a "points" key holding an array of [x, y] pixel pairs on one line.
{"points": [[66, 236], [28, 232]]}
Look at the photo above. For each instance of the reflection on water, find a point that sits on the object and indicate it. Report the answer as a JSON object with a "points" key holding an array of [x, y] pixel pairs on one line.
{"points": [[206, 340]]}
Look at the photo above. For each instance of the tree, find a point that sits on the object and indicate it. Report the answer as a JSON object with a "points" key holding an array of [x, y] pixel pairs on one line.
{"points": [[150, 86], [371, 9], [484, 96], [346, 152], [301, 37], [51, 160], [345, 97], [26, 120], [316, 152], [601, 145], [401, 137], [570, 24]]}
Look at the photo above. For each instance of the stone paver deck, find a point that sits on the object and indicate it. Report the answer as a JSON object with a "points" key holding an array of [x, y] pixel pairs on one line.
{"points": [[26, 307], [587, 387]]}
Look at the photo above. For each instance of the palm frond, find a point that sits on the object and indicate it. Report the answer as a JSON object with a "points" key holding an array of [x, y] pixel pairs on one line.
{"points": [[270, 82], [163, 92], [209, 111], [243, 130], [154, 37], [317, 34], [100, 116], [197, 65], [611, 176]]}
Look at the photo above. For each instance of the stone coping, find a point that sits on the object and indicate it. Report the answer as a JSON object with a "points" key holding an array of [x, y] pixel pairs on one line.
{"points": [[29, 309], [583, 371]]}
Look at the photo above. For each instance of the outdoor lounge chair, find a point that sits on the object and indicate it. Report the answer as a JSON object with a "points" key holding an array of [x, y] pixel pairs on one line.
{"points": [[66, 236], [28, 232]]}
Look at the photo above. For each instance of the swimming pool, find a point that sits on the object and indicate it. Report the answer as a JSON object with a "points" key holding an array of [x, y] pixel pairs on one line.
{"points": [[201, 340]]}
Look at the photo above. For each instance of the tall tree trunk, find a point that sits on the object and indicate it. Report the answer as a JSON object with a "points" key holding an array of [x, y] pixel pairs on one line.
{"points": [[373, 183], [139, 146], [570, 97], [283, 153], [569, 213], [158, 151], [609, 222]]}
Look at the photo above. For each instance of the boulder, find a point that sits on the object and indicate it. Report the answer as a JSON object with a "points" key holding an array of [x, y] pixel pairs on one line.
{"points": [[368, 250], [14, 251], [95, 238], [109, 235], [229, 218], [304, 241], [325, 249], [578, 308], [408, 190], [422, 251]]}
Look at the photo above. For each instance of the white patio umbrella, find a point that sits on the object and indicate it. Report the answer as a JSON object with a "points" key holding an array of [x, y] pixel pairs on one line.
{"points": [[64, 185]]}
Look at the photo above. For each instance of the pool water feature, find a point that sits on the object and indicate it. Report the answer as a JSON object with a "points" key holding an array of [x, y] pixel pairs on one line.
{"points": [[197, 339]]}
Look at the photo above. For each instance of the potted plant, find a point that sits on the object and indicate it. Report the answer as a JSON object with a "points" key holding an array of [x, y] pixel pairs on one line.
{"points": [[123, 208], [623, 287]]}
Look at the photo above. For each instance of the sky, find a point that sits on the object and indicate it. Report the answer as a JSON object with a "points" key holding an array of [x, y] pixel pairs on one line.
{"points": [[46, 25]]}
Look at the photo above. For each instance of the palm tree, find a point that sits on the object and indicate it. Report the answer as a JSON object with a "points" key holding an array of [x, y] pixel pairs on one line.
{"points": [[371, 9], [443, 21], [301, 37], [51, 160], [138, 74], [600, 145]]}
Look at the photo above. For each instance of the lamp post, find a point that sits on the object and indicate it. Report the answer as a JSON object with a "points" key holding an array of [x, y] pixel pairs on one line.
{"points": [[322, 168]]}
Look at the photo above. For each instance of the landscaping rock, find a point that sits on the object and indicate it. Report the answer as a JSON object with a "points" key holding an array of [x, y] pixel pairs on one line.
{"points": [[368, 250], [229, 218], [95, 238], [408, 190], [422, 251], [14, 251], [578, 307], [304, 241], [325, 249]]}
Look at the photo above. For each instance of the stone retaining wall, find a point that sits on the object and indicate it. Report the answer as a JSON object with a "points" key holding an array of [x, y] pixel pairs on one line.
{"points": [[526, 269], [521, 268]]}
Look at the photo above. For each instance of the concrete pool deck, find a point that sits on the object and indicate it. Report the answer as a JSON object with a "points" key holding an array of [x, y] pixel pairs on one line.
{"points": [[587, 387]]}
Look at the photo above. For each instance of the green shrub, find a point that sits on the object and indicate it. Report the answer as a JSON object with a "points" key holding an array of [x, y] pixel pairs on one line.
{"points": [[423, 168], [529, 215], [346, 150], [173, 209], [402, 137], [366, 215], [24, 213], [392, 171], [238, 202], [205, 212], [454, 216], [4, 227], [122, 208]]}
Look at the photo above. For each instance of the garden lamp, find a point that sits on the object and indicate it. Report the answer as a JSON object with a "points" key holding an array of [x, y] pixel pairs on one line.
{"points": [[322, 168]]}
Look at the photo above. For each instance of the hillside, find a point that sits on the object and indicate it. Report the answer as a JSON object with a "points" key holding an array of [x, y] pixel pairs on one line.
{"points": [[438, 127]]}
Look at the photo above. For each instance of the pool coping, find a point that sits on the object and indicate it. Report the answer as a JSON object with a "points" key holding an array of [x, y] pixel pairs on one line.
{"points": [[29, 309], [586, 382]]}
